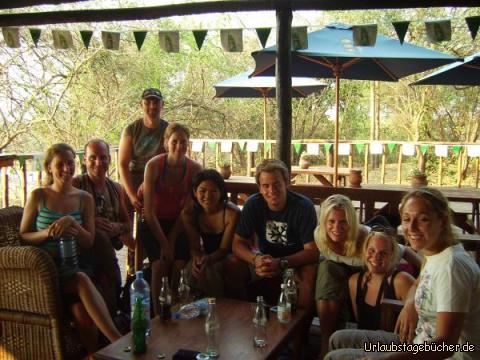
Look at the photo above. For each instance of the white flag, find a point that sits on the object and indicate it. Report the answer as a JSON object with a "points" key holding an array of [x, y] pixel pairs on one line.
{"points": [[226, 146], [408, 149], [376, 148], [197, 145], [252, 146], [313, 149], [473, 150], [441, 150], [343, 149]]}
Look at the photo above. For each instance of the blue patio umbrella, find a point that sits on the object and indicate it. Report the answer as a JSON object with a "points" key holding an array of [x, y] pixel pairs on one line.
{"points": [[466, 72], [331, 54], [241, 86]]}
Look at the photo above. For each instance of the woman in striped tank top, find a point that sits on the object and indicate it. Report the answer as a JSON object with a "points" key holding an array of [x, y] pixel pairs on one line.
{"points": [[60, 210]]}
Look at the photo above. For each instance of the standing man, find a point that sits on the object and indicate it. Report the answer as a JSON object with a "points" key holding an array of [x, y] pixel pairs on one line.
{"points": [[283, 222], [112, 222], [140, 141]]}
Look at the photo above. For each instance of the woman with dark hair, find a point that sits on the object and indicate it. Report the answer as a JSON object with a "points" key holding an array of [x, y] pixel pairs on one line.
{"points": [[59, 210], [210, 226]]}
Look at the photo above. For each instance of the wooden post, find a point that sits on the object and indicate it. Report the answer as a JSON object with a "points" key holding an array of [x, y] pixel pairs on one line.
{"points": [[367, 149], [399, 165], [217, 154], [440, 171], [5, 186], [459, 168], [476, 171], [350, 157], [284, 83], [231, 159], [117, 168], [384, 160], [204, 154], [24, 183], [249, 163]]}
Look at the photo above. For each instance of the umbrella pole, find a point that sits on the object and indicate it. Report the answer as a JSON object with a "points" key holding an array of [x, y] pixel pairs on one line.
{"points": [[264, 125], [337, 103]]}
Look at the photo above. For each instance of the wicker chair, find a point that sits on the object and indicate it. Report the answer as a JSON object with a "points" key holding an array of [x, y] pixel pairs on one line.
{"points": [[31, 323]]}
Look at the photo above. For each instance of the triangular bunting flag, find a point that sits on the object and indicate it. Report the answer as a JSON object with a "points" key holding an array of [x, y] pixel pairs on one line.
{"points": [[11, 35], [364, 35], [423, 149], [86, 36], [35, 34], [232, 40], [252, 146], [401, 28], [268, 145], [199, 36], [391, 147], [473, 150], [111, 40], [456, 148], [212, 144], [241, 144], [473, 23], [263, 34], [343, 149], [297, 147], [169, 41], [408, 149], [299, 38], [62, 39], [139, 38], [37, 160], [327, 147], [81, 155], [438, 31], [22, 159], [360, 147], [376, 148]]}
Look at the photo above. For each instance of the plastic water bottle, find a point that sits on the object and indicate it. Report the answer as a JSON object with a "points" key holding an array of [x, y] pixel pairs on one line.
{"points": [[140, 290], [212, 329], [284, 311], [260, 324], [139, 324], [291, 288]]}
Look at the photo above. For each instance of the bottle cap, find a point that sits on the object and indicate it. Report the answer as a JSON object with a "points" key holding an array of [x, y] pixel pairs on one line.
{"points": [[211, 300], [139, 274]]}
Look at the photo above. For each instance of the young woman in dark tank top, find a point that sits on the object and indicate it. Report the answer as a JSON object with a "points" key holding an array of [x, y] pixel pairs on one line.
{"points": [[209, 225], [378, 280]]}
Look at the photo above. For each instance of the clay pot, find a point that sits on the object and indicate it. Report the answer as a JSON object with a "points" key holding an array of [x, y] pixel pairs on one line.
{"points": [[303, 163], [225, 171], [355, 178], [419, 181]]}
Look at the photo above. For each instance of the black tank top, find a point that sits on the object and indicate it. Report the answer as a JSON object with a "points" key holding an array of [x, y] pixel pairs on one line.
{"points": [[369, 316], [211, 242]]}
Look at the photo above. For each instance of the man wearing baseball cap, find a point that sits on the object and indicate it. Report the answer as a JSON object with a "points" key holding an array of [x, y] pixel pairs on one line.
{"points": [[140, 141]]}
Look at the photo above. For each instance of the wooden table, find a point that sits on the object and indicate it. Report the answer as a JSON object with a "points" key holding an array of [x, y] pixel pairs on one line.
{"points": [[236, 335], [319, 173]]}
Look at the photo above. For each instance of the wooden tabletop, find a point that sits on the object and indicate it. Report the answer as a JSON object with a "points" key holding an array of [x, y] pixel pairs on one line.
{"points": [[236, 335]]}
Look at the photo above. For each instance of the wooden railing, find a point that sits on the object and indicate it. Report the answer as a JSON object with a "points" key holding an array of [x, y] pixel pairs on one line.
{"points": [[242, 162]]}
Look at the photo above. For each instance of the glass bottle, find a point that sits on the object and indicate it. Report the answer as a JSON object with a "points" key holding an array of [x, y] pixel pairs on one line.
{"points": [[139, 327], [183, 288], [140, 290], [165, 300], [291, 290], [212, 328], [284, 313], [260, 324]]}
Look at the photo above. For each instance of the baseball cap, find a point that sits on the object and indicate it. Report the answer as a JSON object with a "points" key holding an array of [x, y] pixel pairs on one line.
{"points": [[152, 92]]}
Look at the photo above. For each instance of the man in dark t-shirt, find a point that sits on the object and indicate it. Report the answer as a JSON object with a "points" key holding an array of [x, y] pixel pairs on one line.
{"points": [[283, 223]]}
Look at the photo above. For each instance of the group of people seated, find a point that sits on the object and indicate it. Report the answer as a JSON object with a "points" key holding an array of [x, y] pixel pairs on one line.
{"points": [[343, 269]]}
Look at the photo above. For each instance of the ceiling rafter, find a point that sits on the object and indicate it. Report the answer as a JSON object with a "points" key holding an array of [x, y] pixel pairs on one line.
{"points": [[14, 4], [157, 12]]}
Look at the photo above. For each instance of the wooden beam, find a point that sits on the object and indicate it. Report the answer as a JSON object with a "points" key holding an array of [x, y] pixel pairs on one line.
{"points": [[13, 4], [158, 12]]}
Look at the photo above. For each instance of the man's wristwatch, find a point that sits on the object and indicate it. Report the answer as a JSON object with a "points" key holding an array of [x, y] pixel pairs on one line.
{"points": [[283, 264]]}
